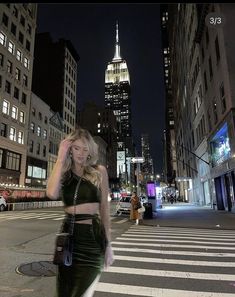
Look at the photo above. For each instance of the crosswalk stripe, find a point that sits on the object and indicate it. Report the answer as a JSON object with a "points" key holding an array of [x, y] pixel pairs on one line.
{"points": [[48, 216], [162, 252], [168, 273], [140, 228], [203, 245], [58, 219], [154, 292], [152, 238], [193, 235], [162, 245], [174, 261]]}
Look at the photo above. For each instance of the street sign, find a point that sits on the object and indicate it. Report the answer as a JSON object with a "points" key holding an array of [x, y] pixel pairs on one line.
{"points": [[137, 160]]}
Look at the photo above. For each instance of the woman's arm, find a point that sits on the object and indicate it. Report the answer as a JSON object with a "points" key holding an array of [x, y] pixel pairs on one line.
{"points": [[54, 181], [105, 215], [104, 206]]}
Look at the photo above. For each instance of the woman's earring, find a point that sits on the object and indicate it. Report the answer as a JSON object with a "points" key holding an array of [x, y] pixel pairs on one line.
{"points": [[88, 157]]}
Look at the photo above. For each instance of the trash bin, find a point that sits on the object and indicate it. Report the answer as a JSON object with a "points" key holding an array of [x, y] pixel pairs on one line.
{"points": [[148, 213]]}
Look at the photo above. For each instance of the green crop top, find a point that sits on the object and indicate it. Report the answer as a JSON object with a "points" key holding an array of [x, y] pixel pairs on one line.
{"points": [[87, 192]]}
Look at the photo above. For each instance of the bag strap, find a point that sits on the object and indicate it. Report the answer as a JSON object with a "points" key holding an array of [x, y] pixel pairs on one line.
{"points": [[74, 204]]}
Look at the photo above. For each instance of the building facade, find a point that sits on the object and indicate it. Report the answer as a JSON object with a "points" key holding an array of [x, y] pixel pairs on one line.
{"points": [[202, 73], [17, 34], [38, 143], [55, 77]]}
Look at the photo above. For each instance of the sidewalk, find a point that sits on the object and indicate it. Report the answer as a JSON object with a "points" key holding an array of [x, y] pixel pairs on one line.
{"points": [[190, 216]]}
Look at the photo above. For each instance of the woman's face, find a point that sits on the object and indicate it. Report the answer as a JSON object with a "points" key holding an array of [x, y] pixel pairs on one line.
{"points": [[80, 151]]}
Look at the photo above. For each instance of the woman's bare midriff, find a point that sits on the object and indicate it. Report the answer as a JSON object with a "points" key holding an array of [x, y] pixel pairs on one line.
{"points": [[85, 208]]}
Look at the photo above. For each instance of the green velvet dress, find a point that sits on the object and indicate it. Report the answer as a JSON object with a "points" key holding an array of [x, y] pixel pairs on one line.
{"points": [[88, 252]]}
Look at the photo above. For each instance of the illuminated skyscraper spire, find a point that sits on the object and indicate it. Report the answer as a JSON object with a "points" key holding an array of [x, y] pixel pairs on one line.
{"points": [[117, 55]]}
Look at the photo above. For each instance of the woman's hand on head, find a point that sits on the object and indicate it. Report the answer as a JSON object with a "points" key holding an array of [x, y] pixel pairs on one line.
{"points": [[64, 149]]}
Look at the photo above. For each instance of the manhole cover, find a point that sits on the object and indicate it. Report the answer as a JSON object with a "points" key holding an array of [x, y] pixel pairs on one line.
{"points": [[41, 268]]}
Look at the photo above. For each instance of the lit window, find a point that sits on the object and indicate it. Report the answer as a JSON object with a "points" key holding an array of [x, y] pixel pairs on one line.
{"points": [[26, 63], [39, 131], [14, 112], [21, 137], [22, 117], [5, 107], [11, 47], [19, 55], [2, 39], [12, 135], [44, 134]]}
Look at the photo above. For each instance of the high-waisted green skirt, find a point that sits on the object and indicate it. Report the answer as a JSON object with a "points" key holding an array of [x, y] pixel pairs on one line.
{"points": [[88, 260]]}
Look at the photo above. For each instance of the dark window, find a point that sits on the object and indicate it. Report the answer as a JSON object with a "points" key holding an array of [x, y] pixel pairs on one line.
{"points": [[209, 120], [24, 98], [27, 45], [16, 93], [207, 38], [31, 143], [5, 19], [9, 66], [15, 11], [13, 29], [25, 80], [44, 152], [38, 149], [13, 161], [22, 20], [1, 60], [210, 68], [3, 131], [215, 112], [217, 51], [21, 37], [8, 87], [29, 29], [222, 98], [205, 81]]}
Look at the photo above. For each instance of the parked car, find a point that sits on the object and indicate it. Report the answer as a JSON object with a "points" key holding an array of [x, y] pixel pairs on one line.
{"points": [[124, 205], [3, 203]]}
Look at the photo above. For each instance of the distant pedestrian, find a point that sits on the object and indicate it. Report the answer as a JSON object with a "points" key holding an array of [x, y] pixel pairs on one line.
{"points": [[135, 203]]}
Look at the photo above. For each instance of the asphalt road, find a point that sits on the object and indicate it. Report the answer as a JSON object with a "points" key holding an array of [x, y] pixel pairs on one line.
{"points": [[150, 259]]}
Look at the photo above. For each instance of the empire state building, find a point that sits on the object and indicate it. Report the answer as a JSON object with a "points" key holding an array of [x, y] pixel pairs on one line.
{"points": [[117, 93]]}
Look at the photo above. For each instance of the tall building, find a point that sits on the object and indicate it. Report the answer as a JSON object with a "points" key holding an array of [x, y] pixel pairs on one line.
{"points": [[118, 99], [147, 165], [17, 33], [202, 71], [169, 133], [55, 76], [102, 122]]}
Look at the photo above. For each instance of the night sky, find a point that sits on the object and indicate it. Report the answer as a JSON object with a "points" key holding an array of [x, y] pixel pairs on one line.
{"points": [[91, 29]]}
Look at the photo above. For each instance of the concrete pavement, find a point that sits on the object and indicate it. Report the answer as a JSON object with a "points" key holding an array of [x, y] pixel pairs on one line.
{"points": [[189, 215]]}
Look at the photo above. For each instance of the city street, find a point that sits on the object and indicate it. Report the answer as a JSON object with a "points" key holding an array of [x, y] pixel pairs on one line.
{"points": [[151, 259]]}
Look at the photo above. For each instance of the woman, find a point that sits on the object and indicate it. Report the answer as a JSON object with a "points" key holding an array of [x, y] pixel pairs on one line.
{"points": [[134, 215], [77, 156]]}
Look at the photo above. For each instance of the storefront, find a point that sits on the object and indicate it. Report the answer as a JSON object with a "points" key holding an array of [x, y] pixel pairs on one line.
{"points": [[223, 165]]}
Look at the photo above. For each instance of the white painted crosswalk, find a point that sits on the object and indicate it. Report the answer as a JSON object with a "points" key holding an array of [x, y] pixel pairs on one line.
{"points": [[52, 215], [168, 262]]}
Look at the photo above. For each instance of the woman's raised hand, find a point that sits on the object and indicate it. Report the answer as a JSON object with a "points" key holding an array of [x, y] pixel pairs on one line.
{"points": [[64, 149]]}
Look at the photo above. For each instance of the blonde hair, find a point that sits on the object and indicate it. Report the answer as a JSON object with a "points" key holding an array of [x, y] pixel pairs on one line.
{"points": [[90, 172]]}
